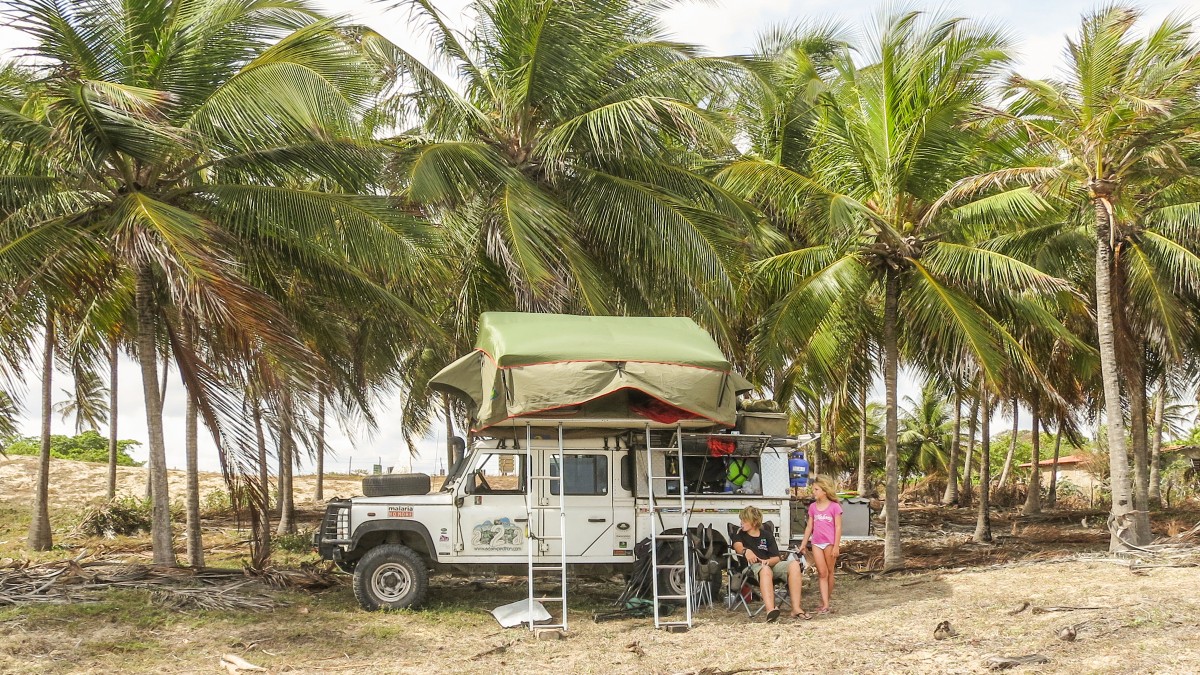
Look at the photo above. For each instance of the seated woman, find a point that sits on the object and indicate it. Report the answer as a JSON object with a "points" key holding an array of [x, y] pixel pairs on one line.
{"points": [[762, 554]]}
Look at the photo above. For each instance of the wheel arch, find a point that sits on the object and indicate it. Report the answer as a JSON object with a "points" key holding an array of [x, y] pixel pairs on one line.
{"points": [[410, 533]]}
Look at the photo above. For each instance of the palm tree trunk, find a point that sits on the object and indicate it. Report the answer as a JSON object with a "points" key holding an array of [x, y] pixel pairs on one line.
{"points": [[41, 538], [1160, 408], [260, 545], [893, 556], [967, 491], [816, 461], [287, 504], [113, 355], [983, 522], [951, 495], [1121, 517], [1033, 500], [195, 545], [320, 446], [1052, 495], [1012, 444], [862, 442], [1139, 433], [160, 511]]}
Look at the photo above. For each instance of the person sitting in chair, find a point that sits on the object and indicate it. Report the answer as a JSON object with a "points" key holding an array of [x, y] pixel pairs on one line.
{"points": [[762, 554]]}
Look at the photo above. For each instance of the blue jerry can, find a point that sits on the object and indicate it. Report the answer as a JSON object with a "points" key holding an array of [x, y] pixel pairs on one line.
{"points": [[798, 470]]}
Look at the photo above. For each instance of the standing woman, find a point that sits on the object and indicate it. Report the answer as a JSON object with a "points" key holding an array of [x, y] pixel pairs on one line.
{"points": [[824, 532]]}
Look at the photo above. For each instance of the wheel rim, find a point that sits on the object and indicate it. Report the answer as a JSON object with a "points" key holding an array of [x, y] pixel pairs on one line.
{"points": [[391, 582], [676, 582]]}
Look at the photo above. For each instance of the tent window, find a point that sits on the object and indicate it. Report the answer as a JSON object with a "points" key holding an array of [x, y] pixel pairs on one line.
{"points": [[584, 475]]}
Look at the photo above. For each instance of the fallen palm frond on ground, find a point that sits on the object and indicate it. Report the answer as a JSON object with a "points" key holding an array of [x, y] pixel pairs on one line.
{"points": [[84, 577]]}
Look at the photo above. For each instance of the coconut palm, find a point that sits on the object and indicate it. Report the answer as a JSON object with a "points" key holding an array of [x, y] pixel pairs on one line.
{"points": [[1113, 133], [175, 136], [564, 173], [925, 432], [869, 217], [88, 401]]}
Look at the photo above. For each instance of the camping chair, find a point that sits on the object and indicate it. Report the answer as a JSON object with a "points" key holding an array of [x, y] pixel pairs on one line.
{"points": [[743, 585]]}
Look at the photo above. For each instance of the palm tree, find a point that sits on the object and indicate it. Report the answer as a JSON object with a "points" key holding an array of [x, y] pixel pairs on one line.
{"points": [[565, 173], [88, 402], [41, 537], [1123, 117], [925, 432], [867, 209], [175, 135]]}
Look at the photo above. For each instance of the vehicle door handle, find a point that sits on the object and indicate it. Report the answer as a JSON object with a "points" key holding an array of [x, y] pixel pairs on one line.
{"points": [[520, 520], [597, 520]]}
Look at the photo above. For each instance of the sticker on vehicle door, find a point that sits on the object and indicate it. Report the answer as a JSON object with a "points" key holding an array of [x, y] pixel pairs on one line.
{"points": [[400, 511], [500, 534]]}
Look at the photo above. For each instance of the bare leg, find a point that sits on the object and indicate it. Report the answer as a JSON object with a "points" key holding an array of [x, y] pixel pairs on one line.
{"points": [[766, 587], [831, 565], [795, 582], [824, 574]]}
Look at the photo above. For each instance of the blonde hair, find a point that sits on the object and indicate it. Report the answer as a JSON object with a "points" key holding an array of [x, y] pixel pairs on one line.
{"points": [[826, 485], [751, 515]]}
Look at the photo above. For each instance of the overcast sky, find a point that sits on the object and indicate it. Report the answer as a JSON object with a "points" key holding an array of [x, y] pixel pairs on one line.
{"points": [[1038, 28]]}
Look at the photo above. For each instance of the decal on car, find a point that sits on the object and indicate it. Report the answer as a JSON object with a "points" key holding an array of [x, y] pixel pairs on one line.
{"points": [[498, 535]]}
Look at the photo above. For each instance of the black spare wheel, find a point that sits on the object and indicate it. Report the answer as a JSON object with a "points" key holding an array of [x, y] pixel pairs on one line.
{"points": [[395, 484], [390, 576]]}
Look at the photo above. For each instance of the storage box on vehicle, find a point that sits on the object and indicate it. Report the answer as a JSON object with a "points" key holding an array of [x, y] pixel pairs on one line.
{"points": [[763, 423]]}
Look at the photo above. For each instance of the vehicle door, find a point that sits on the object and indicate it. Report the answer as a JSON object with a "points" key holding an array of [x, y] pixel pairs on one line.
{"points": [[586, 480], [492, 518]]}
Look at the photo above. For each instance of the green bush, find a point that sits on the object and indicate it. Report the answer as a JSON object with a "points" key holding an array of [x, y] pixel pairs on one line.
{"points": [[300, 542], [89, 446]]}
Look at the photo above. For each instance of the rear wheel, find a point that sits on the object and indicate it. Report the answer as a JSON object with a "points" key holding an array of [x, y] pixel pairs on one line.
{"points": [[390, 576]]}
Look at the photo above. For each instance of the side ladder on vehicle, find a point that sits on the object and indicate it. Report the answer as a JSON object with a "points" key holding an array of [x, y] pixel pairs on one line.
{"points": [[659, 514], [542, 506]]}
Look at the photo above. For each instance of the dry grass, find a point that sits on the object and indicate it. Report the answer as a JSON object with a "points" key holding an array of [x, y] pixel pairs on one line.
{"points": [[1146, 621]]}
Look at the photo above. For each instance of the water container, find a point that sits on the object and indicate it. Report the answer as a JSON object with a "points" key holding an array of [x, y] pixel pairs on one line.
{"points": [[798, 470]]}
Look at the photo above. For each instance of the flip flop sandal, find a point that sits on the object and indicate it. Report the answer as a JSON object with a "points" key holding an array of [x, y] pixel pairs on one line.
{"points": [[773, 616], [823, 610], [803, 615]]}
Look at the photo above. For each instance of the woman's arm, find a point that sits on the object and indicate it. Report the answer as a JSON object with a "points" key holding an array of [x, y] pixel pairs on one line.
{"points": [[837, 533], [808, 528]]}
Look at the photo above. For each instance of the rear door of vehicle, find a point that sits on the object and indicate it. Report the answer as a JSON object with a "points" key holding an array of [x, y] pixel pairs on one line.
{"points": [[588, 503]]}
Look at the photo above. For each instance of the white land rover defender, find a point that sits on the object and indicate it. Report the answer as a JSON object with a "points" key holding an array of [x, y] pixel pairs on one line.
{"points": [[590, 435]]}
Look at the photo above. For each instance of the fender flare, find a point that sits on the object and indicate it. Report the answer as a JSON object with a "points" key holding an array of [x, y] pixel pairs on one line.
{"points": [[387, 525]]}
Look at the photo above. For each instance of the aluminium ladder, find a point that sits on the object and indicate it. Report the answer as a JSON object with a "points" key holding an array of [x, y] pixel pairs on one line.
{"points": [[542, 505], [657, 512]]}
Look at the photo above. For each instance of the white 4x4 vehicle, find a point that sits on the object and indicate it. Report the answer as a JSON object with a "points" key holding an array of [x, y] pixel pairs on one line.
{"points": [[568, 403], [479, 521]]}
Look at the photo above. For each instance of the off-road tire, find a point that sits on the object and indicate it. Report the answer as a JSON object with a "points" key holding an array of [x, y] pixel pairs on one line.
{"points": [[395, 484], [671, 582], [390, 576]]}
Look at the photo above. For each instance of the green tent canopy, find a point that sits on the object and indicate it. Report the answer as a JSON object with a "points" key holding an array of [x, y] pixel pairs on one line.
{"points": [[593, 367]]}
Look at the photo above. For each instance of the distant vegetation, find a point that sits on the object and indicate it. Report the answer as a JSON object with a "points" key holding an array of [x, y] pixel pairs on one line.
{"points": [[86, 447]]}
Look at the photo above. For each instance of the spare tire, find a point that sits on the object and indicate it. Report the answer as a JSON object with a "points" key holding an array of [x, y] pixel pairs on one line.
{"points": [[395, 484]]}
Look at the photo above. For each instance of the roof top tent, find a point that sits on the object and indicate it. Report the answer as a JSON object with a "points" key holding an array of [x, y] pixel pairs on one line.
{"points": [[591, 372]]}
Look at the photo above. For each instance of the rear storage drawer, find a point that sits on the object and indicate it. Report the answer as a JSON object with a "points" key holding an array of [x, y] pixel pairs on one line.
{"points": [[765, 424]]}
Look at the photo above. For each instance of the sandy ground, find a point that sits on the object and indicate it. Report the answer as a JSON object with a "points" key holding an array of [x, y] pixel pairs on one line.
{"points": [[1140, 624], [1132, 621]]}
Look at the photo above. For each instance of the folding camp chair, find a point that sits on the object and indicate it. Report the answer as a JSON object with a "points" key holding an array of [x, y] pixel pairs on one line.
{"points": [[743, 589]]}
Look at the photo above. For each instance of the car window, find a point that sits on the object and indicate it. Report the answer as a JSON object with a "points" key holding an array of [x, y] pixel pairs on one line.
{"points": [[584, 475]]}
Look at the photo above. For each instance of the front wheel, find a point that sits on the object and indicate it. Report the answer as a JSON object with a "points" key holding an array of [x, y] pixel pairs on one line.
{"points": [[390, 576]]}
